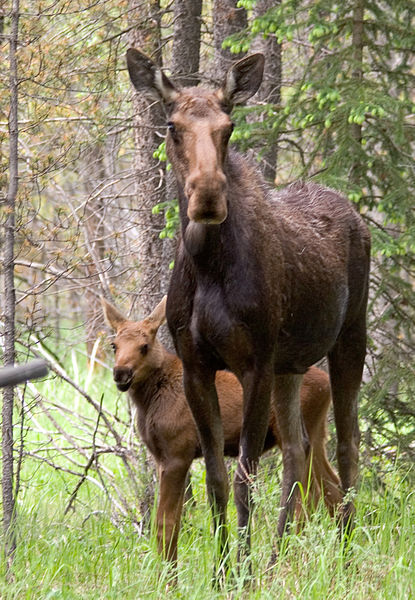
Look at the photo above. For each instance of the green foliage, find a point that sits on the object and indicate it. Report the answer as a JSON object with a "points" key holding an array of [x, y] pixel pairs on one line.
{"points": [[335, 91], [346, 119], [160, 153], [170, 208]]}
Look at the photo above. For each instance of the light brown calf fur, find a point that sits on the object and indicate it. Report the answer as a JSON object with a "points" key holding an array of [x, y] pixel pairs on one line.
{"points": [[154, 380]]}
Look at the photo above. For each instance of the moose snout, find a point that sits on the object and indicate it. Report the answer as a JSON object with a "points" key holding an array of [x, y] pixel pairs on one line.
{"points": [[123, 377], [207, 198]]}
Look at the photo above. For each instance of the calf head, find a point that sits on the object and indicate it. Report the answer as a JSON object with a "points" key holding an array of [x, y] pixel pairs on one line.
{"points": [[137, 352], [199, 128]]}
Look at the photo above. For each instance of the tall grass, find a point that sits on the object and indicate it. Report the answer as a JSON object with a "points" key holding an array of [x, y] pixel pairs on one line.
{"points": [[90, 552], [87, 556]]}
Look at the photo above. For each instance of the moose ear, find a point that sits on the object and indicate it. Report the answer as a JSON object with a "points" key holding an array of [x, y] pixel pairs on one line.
{"points": [[147, 77], [112, 316], [243, 80], [157, 316]]}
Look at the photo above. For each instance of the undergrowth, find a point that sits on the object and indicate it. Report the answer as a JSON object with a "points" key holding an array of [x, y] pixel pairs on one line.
{"points": [[85, 555], [92, 552]]}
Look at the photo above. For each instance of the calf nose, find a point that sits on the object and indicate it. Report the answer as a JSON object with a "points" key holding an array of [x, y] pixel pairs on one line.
{"points": [[123, 377]]}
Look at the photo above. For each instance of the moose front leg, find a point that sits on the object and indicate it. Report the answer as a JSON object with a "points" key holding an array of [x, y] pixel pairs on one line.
{"points": [[257, 387], [199, 385]]}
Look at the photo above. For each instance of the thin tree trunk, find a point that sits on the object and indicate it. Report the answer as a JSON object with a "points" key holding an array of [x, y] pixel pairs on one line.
{"points": [[95, 175], [357, 44], [9, 296]]}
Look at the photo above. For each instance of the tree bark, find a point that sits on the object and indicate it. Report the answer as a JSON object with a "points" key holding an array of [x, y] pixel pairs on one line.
{"points": [[270, 90], [9, 295], [149, 176], [185, 72], [95, 175], [357, 74], [228, 19], [186, 42]]}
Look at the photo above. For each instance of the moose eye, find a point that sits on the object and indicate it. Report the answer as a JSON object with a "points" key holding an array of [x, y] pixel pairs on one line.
{"points": [[113, 346], [144, 349]]}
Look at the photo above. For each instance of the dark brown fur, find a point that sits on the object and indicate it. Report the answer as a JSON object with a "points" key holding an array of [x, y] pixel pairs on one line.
{"points": [[263, 284], [155, 384]]}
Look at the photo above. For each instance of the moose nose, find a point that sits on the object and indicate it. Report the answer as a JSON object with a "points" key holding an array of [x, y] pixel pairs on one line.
{"points": [[123, 377], [206, 195]]}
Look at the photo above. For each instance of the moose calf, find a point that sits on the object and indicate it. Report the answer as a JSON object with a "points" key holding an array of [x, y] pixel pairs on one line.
{"points": [[153, 378]]}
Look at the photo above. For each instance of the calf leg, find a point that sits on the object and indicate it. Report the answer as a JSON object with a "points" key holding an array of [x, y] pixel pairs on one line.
{"points": [[322, 472], [257, 387], [203, 401], [172, 483], [346, 362], [294, 443]]}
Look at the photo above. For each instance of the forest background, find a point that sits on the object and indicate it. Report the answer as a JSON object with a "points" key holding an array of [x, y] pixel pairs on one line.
{"points": [[88, 206]]}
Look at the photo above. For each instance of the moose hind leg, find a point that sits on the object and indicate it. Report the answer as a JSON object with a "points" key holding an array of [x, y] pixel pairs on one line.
{"points": [[294, 444], [346, 362]]}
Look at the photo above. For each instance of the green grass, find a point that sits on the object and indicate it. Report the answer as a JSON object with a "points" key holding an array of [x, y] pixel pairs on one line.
{"points": [[87, 556], [92, 552]]}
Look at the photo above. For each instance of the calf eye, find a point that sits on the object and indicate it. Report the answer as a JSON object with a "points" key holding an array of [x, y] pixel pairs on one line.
{"points": [[144, 349], [173, 131], [113, 346]]}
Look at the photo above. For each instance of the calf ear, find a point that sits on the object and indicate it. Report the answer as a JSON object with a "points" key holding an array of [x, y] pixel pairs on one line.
{"points": [[147, 77], [112, 316], [243, 80], [157, 316]]}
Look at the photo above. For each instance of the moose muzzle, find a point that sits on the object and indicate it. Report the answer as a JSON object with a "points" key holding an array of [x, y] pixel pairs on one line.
{"points": [[206, 194]]}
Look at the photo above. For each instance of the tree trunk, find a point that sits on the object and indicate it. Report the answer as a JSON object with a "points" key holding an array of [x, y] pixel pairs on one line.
{"points": [[357, 44], [185, 72], [186, 42], [228, 19], [9, 296], [95, 175], [270, 90], [149, 176]]}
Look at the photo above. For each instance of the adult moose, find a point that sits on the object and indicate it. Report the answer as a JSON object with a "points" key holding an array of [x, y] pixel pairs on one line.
{"points": [[264, 284]]}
